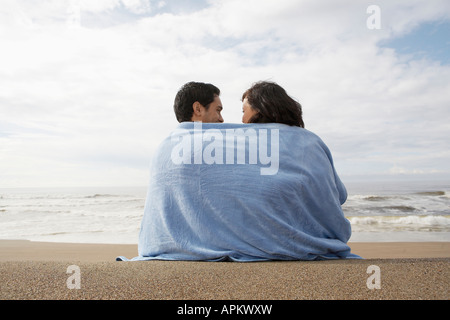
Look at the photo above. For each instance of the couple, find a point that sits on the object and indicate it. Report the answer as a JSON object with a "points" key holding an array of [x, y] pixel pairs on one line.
{"points": [[264, 102], [226, 209]]}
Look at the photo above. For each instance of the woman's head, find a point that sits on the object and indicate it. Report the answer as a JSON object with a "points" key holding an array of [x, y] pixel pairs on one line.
{"points": [[267, 102]]}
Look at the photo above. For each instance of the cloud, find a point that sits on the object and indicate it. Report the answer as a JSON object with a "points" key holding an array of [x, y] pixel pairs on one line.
{"points": [[88, 105]]}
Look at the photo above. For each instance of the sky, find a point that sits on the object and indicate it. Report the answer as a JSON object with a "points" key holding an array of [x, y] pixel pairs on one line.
{"points": [[87, 87]]}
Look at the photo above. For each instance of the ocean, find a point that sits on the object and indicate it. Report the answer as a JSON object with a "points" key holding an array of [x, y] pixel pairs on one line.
{"points": [[398, 211], [377, 211]]}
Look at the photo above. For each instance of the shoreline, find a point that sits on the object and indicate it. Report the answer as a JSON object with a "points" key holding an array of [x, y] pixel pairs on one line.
{"points": [[26, 250], [44, 271]]}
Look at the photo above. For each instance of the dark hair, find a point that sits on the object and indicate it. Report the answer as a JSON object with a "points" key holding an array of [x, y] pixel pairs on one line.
{"points": [[190, 93], [273, 104]]}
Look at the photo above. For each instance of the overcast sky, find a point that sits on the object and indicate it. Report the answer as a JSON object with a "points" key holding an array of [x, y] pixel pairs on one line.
{"points": [[87, 87]]}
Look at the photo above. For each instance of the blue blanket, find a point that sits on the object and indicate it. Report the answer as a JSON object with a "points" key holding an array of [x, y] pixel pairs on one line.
{"points": [[243, 192]]}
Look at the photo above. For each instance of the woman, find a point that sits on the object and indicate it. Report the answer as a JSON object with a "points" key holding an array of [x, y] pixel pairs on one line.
{"points": [[307, 175], [267, 102]]}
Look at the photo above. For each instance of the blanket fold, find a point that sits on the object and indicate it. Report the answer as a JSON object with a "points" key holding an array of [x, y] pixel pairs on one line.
{"points": [[243, 192]]}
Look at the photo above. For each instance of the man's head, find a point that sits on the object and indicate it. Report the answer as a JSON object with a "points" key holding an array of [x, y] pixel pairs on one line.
{"points": [[197, 101]]}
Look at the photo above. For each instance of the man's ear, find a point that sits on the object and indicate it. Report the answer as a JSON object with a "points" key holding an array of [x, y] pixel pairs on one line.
{"points": [[196, 106]]}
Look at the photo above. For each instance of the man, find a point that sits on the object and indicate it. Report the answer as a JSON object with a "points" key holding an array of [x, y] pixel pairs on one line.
{"points": [[197, 101]]}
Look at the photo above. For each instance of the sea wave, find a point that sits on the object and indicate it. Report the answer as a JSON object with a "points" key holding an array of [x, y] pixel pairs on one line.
{"points": [[98, 195], [411, 222], [431, 193]]}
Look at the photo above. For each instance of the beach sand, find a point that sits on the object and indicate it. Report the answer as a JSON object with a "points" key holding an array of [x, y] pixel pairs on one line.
{"points": [[38, 270]]}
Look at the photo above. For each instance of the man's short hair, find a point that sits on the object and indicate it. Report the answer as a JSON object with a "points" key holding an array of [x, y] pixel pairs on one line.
{"points": [[191, 92]]}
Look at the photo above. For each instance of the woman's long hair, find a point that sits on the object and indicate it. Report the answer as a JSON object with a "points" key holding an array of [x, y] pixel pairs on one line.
{"points": [[273, 105]]}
